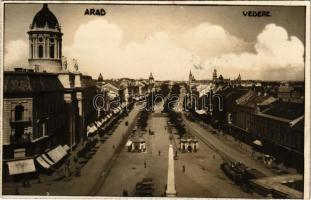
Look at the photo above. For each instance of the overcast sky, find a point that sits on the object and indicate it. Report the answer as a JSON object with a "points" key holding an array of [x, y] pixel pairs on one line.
{"points": [[170, 40]]}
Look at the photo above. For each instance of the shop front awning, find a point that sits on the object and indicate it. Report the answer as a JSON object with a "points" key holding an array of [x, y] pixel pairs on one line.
{"points": [[201, 112], [98, 123], [46, 159], [115, 111], [57, 154], [258, 143], [43, 163], [91, 130], [21, 166], [129, 143], [66, 147]]}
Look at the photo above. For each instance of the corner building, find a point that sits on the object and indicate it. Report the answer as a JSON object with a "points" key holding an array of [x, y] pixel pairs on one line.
{"points": [[45, 104]]}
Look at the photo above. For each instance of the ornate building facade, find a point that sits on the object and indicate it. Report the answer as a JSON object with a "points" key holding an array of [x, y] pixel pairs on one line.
{"points": [[45, 42], [45, 105]]}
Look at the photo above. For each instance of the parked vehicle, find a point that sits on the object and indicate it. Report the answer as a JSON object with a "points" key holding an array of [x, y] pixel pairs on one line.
{"points": [[145, 188], [240, 173]]}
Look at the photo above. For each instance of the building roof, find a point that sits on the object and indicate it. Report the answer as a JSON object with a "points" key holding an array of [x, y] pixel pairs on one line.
{"points": [[252, 99], [30, 82], [43, 17], [111, 86], [299, 125], [286, 110]]}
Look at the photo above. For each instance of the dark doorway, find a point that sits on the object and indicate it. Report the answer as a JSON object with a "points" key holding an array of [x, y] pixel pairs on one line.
{"points": [[19, 132], [19, 111]]}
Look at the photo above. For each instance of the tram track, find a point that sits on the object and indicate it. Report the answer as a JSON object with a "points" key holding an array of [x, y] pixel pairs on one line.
{"points": [[195, 133]]}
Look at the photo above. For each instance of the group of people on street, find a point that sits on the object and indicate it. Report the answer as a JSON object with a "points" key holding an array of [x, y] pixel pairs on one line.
{"points": [[125, 193]]}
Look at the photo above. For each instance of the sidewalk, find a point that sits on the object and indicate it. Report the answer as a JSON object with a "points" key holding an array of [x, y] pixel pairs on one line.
{"points": [[232, 151], [244, 148], [90, 172]]}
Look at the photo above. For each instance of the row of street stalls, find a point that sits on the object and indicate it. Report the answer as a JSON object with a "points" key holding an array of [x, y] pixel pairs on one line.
{"points": [[188, 143], [98, 129], [103, 123], [25, 169], [136, 143]]}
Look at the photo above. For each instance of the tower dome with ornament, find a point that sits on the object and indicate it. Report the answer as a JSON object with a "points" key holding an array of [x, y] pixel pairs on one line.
{"points": [[45, 42]]}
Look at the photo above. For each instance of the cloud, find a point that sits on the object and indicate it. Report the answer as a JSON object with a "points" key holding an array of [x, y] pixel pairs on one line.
{"points": [[210, 40], [277, 57], [16, 54], [97, 45]]}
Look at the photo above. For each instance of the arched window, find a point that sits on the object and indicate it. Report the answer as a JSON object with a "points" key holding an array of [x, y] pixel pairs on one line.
{"points": [[19, 111], [40, 51], [52, 51]]}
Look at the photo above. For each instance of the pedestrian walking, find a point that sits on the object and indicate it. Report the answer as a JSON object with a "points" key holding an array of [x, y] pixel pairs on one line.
{"points": [[47, 193], [183, 168], [159, 152], [113, 146], [145, 164], [16, 191]]}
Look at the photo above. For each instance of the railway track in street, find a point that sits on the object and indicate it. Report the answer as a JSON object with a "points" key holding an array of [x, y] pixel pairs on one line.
{"points": [[195, 133]]}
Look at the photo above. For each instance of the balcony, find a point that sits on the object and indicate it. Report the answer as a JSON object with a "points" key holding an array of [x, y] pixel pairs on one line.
{"points": [[24, 122]]}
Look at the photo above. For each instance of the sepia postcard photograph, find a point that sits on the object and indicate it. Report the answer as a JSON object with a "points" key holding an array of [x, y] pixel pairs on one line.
{"points": [[168, 99]]}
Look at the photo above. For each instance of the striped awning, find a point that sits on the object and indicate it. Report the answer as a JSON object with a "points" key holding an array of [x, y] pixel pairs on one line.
{"points": [[46, 159], [57, 154], [21, 166], [43, 163], [91, 129]]}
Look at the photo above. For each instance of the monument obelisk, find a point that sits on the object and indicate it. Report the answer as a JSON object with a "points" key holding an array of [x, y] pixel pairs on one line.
{"points": [[170, 189]]}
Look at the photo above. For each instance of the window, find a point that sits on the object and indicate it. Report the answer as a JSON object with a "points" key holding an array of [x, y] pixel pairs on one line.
{"points": [[40, 51], [52, 51], [19, 111], [31, 50]]}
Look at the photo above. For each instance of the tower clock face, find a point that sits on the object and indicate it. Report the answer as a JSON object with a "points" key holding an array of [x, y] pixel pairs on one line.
{"points": [[40, 39]]}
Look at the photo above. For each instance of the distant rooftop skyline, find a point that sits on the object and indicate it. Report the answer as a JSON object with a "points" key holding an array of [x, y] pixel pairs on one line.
{"points": [[168, 41]]}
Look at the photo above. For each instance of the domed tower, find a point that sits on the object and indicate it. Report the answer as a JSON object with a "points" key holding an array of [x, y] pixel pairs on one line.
{"points": [[45, 42]]}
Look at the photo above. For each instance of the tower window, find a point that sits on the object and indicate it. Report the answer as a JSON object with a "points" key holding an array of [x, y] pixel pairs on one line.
{"points": [[19, 110], [52, 40], [52, 51], [40, 51]]}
